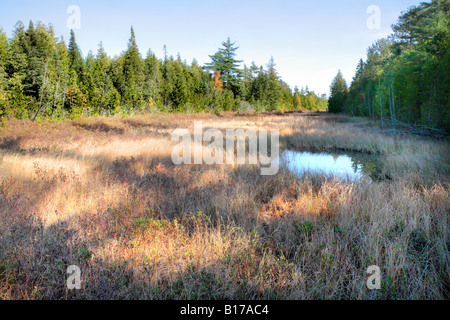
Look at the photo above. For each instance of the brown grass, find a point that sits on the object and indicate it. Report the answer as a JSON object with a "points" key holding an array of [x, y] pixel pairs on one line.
{"points": [[103, 194]]}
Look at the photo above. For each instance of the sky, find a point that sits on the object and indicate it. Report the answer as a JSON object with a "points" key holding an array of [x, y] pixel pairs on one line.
{"points": [[309, 40]]}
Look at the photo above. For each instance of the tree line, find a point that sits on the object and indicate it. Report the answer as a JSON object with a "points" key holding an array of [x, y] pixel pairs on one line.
{"points": [[42, 77], [405, 77]]}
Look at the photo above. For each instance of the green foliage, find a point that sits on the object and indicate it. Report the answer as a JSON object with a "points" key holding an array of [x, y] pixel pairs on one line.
{"points": [[224, 61], [85, 253], [75, 58], [338, 94], [41, 76], [405, 76], [18, 101]]}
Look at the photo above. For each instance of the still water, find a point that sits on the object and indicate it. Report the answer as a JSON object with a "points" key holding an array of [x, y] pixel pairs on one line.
{"points": [[345, 165]]}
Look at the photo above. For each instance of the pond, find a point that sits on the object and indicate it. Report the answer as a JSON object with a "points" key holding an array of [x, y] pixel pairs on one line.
{"points": [[345, 165]]}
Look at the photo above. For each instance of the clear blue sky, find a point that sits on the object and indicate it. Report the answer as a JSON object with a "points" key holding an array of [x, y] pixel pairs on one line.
{"points": [[309, 40]]}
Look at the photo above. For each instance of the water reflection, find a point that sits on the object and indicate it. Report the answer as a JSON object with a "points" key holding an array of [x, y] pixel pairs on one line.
{"points": [[346, 165]]}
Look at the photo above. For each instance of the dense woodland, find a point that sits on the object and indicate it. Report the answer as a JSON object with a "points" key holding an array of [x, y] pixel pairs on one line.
{"points": [[42, 77], [405, 78]]}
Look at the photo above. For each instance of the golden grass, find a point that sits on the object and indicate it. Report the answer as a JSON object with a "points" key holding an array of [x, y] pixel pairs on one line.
{"points": [[103, 194]]}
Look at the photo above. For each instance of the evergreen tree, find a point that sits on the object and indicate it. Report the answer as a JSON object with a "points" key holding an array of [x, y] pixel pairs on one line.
{"points": [[153, 82], [133, 74], [75, 57], [17, 54], [273, 86], [224, 61], [338, 94], [101, 77]]}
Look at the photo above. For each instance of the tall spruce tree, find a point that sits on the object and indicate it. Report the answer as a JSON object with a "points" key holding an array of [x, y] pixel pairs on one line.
{"points": [[133, 74], [338, 94], [225, 62], [75, 57], [273, 86]]}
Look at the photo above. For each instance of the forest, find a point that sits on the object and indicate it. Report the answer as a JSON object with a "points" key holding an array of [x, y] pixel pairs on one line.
{"points": [[405, 77], [42, 77]]}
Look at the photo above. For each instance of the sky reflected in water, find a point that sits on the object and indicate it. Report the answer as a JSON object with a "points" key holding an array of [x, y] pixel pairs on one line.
{"points": [[351, 166]]}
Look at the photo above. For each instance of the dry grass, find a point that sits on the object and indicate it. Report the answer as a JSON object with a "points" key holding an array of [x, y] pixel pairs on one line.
{"points": [[104, 194]]}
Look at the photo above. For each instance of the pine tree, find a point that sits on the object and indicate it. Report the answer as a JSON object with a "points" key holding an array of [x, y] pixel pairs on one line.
{"points": [[338, 94], [17, 62], [153, 81], [224, 61], [273, 86], [133, 74], [101, 77], [75, 57]]}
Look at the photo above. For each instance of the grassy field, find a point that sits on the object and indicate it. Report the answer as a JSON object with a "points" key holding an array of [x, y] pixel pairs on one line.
{"points": [[103, 194]]}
